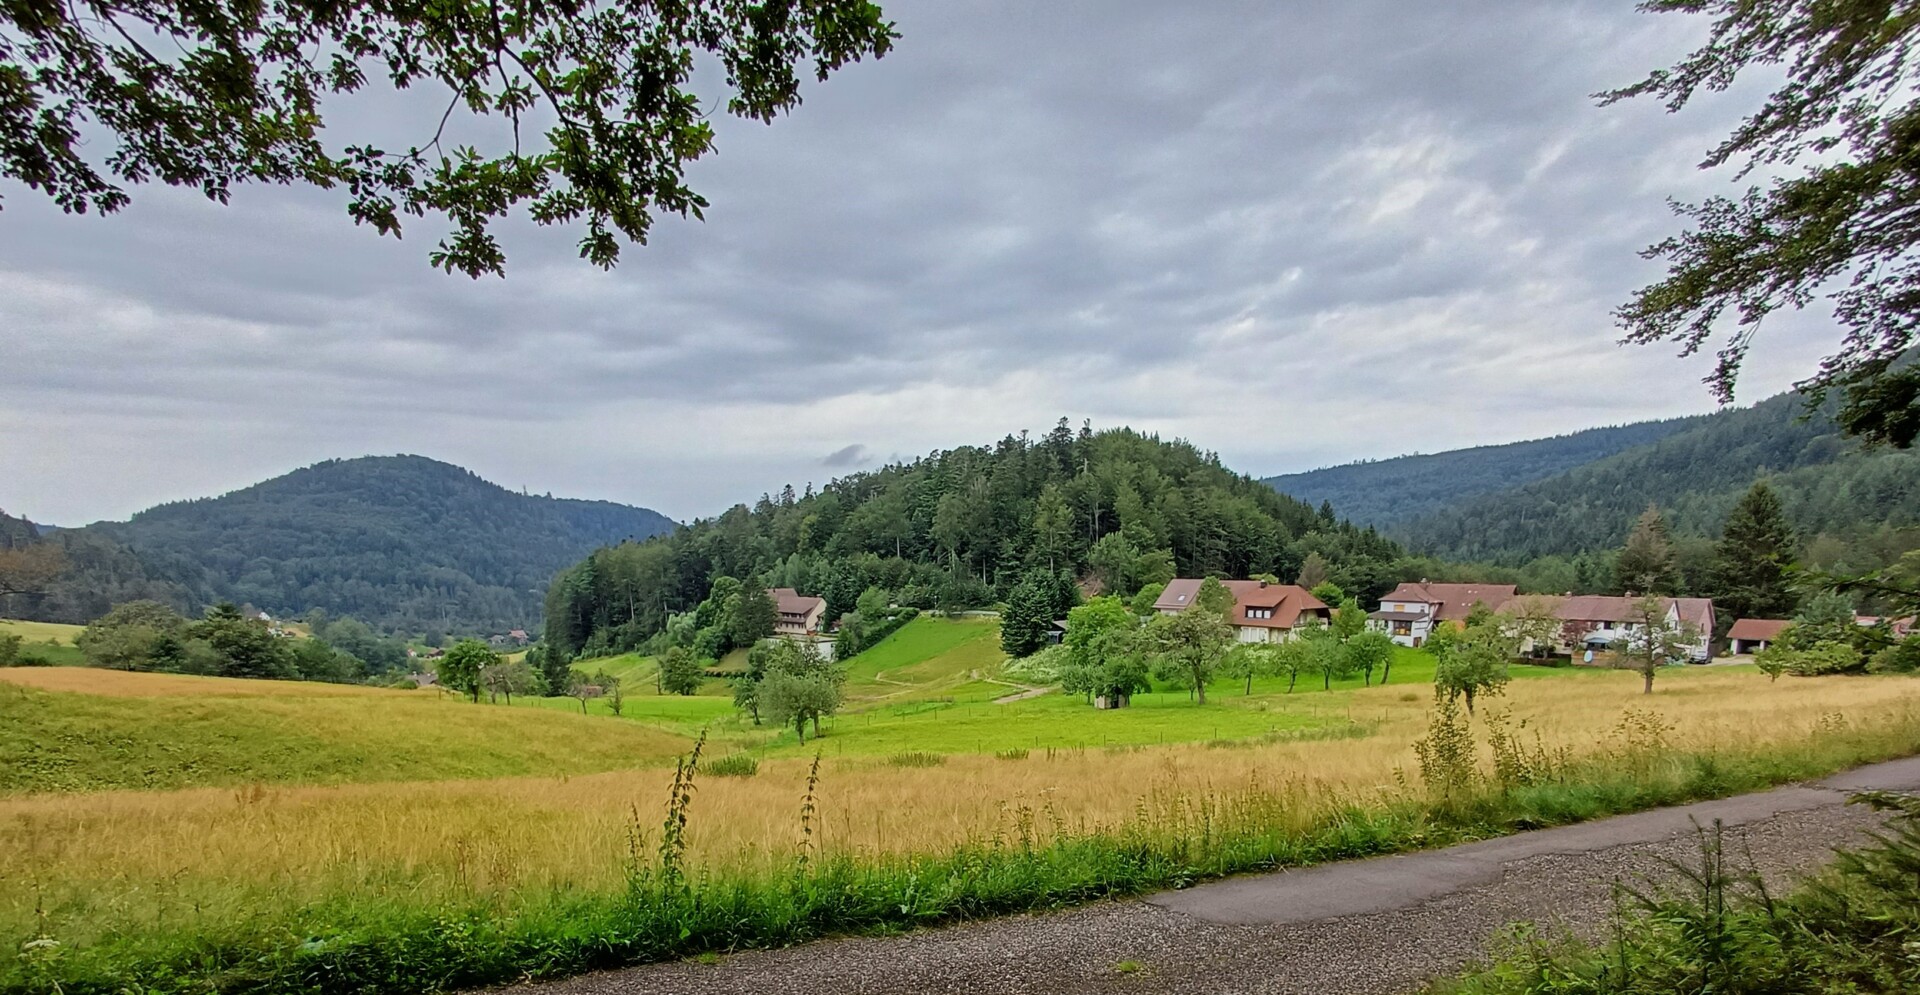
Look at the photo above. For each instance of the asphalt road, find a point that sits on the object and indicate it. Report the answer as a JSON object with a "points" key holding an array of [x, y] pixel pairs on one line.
{"points": [[1372, 927]]}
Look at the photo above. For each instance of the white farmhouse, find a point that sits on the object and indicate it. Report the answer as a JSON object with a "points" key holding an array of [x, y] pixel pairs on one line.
{"points": [[1408, 613]]}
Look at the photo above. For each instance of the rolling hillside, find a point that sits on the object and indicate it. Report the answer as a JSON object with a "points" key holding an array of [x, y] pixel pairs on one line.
{"points": [[402, 542], [1384, 493], [1693, 468]]}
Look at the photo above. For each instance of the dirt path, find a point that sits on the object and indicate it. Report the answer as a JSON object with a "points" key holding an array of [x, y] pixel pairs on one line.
{"points": [[1374, 927]]}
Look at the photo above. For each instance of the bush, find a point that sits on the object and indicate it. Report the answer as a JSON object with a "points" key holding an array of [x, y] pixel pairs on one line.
{"points": [[916, 758], [738, 765], [1902, 657], [1018, 753], [9, 650], [1826, 658]]}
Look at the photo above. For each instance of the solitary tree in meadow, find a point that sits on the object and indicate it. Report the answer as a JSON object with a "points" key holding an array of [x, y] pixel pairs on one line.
{"points": [[1245, 662], [242, 645], [459, 668], [1187, 647], [1654, 639], [1326, 654], [1472, 664], [799, 699], [680, 671], [1370, 650]]}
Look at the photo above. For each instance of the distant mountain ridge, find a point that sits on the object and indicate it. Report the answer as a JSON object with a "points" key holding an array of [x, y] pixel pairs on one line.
{"points": [[1694, 469], [402, 542], [1383, 493]]}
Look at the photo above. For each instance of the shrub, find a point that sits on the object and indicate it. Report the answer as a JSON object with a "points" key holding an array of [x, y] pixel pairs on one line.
{"points": [[1826, 658], [916, 758], [1019, 753], [738, 765], [1902, 657], [9, 649]]}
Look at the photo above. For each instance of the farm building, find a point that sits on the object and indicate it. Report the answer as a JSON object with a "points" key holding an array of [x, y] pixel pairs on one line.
{"points": [[1263, 612]]}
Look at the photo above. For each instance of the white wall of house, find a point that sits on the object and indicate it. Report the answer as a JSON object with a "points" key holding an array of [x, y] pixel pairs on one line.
{"points": [[1416, 631]]}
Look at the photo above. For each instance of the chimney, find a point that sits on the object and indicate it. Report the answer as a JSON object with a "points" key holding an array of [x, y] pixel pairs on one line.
{"points": [[1263, 585]]}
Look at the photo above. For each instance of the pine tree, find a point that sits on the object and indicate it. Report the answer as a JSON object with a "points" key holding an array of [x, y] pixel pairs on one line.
{"points": [[1645, 564], [1023, 626], [1755, 548]]}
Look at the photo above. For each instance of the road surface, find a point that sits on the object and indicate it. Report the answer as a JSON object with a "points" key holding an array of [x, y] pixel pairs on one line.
{"points": [[1369, 927]]}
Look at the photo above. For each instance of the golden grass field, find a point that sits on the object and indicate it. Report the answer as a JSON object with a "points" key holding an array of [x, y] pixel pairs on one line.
{"points": [[159, 853]]}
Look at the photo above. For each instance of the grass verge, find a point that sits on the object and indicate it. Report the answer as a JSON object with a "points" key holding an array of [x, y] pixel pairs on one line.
{"points": [[1850, 929]]}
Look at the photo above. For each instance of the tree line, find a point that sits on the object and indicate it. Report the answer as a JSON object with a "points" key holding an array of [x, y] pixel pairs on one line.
{"points": [[965, 528]]}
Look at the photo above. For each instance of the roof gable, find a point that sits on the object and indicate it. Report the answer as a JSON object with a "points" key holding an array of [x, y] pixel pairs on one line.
{"points": [[1284, 602]]}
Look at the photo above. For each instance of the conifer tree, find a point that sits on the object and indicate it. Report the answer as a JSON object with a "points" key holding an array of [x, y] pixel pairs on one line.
{"points": [[1755, 548], [1645, 564]]}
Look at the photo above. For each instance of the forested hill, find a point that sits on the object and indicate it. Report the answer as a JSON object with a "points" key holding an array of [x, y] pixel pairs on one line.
{"points": [[1383, 493], [1830, 487], [961, 527], [405, 543]]}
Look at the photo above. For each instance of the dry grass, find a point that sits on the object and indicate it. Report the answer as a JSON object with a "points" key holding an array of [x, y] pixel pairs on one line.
{"points": [[161, 852], [124, 684]]}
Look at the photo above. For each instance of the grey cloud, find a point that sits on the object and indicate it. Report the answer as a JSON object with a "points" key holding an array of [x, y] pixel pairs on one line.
{"points": [[847, 457], [1160, 215]]}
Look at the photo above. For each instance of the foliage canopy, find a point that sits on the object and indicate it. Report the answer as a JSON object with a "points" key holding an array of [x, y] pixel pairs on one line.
{"points": [[213, 95]]}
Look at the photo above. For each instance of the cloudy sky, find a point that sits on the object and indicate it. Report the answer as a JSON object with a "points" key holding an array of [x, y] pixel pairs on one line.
{"points": [[1297, 234]]}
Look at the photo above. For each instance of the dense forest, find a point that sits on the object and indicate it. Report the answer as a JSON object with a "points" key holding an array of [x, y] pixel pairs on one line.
{"points": [[1828, 484], [1383, 493], [406, 543], [961, 528]]}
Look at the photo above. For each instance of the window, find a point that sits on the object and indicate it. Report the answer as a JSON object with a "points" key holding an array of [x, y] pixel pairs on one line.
{"points": [[1403, 628]]}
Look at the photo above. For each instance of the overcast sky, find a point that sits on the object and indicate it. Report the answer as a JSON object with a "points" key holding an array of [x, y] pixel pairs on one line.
{"points": [[1297, 234]]}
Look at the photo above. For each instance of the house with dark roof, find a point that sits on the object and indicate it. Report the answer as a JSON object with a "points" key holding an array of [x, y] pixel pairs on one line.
{"points": [[1410, 612], [1263, 612], [796, 614]]}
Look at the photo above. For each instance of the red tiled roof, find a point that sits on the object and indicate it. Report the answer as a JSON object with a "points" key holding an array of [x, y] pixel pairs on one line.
{"points": [[1288, 601], [1758, 629], [1456, 601]]}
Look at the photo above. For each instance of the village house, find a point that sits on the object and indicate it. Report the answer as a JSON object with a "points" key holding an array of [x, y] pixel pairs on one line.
{"points": [[796, 614], [1408, 613], [1592, 622], [1263, 612]]}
